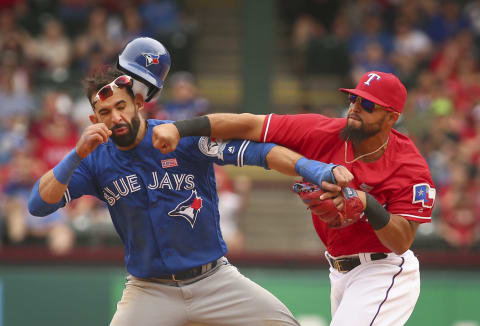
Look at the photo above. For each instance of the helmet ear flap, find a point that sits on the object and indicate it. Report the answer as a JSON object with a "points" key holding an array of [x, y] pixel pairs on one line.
{"points": [[152, 92], [140, 88]]}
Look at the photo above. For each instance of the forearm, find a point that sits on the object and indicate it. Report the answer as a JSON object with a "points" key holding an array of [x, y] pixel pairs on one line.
{"points": [[283, 160], [397, 235], [291, 163], [49, 190], [236, 126], [47, 201], [286, 161], [395, 232]]}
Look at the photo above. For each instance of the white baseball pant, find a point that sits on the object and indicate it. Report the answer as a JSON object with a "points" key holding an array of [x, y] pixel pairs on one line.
{"points": [[379, 292]]}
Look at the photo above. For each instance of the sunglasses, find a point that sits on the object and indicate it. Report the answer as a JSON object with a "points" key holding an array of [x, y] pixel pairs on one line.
{"points": [[367, 105], [107, 90]]}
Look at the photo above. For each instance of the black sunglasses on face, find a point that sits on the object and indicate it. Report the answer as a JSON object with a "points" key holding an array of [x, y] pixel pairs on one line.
{"points": [[368, 105], [365, 104]]}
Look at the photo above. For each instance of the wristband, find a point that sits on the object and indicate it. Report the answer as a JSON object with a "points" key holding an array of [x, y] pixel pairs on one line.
{"points": [[199, 126], [63, 171], [377, 215], [315, 171]]}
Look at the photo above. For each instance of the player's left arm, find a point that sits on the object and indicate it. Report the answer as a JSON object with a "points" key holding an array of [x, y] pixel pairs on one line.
{"points": [[398, 234], [394, 231]]}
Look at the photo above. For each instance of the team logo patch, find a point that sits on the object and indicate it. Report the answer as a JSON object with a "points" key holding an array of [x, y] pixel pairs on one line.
{"points": [[212, 147], [152, 59], [189, 208], [169, 163], [422, 193]]}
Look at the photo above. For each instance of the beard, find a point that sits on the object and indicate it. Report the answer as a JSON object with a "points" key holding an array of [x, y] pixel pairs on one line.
{"points": [[357, 135], [128, 138]]}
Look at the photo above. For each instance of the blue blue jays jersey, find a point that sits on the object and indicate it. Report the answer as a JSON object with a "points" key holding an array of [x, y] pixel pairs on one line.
{"points": [[163, 206]]}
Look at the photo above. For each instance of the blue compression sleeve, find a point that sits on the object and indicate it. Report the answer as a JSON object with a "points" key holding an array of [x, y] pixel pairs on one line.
{"points": [[63, 171], [256, 154], [37, 206], [315, 171]]}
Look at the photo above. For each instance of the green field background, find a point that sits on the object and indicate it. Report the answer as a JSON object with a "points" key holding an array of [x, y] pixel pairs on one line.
{"points": [[59, 295]]}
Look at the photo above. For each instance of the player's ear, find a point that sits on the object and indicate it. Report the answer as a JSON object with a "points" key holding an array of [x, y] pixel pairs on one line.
{"points": [[139, 101], [93, 118], [393, 117]]}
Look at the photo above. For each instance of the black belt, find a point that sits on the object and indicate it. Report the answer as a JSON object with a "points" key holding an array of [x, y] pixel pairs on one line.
{"points": [[346, 264], [190, 273]]}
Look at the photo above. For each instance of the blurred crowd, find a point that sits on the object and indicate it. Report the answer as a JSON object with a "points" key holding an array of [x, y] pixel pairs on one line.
{"points": [[433, 46], [47, 47]]}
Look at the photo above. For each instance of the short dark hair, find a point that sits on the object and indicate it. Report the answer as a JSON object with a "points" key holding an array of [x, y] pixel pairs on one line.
{"points": [[101, 77]]}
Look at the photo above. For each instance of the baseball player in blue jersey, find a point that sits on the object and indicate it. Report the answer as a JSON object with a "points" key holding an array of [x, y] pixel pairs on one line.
{"points": [[164, 208]]}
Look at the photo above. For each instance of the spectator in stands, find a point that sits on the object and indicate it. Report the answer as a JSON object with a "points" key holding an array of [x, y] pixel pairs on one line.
{"points": [[53, 134], [460, 222], [443, 20], [185, 101], [465, 85], [15, 97], [52, 52], [95, 40], [373, 32], [164, 20], [374, 59], [472, 11], [411, 48], [327, 53], [9, 28], [358, 12], [74, 14], [133, 25], [23, 228], [232, 198]]}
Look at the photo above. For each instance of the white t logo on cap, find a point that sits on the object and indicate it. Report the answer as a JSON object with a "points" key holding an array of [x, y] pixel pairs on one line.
{"points": [[371, 75]]}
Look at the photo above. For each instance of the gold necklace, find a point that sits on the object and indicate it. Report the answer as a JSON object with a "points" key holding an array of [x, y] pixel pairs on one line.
{"points": [[355, 159]]}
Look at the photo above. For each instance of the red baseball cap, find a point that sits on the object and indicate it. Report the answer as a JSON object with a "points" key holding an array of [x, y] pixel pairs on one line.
{"points": [[381, 88]]}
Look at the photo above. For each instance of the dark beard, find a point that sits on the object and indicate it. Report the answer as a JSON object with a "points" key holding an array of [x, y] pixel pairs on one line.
{"points": [[129, 138], [356, 135]]}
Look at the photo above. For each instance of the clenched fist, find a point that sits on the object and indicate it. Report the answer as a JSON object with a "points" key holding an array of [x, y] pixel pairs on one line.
{"points": [[91, 137], [165, 137], [342, 175]]}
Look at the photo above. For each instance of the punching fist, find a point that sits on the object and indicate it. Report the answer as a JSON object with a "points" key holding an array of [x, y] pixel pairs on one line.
{"points": [[165, 137], [91, 137]]}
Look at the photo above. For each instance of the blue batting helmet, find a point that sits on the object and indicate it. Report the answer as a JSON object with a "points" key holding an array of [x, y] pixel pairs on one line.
{"points": [[146, 60]]}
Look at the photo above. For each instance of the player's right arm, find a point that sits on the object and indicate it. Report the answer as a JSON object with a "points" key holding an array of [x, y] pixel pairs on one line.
{"points": [[47, 194], [236, 126], [218, 125]]}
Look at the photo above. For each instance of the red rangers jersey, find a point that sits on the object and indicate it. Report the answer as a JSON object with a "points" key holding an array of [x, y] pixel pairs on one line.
{"points": [[400, 180]]}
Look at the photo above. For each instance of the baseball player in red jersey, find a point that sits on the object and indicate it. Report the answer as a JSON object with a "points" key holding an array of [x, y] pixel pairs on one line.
{"points": [[374, 276]]}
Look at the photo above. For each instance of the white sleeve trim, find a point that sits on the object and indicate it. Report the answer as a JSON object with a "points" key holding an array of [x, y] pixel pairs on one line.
{"points": [[241, 151], [67, 196], [414, 216], [266, 128]]}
